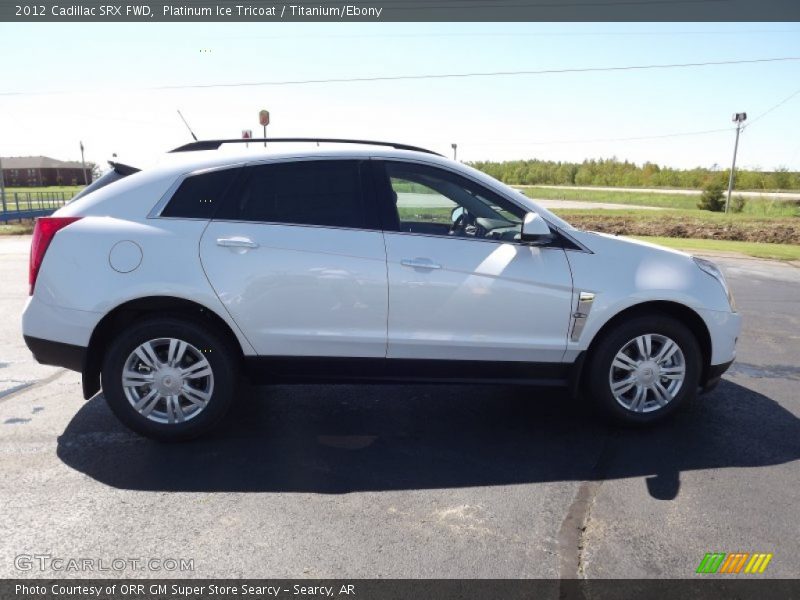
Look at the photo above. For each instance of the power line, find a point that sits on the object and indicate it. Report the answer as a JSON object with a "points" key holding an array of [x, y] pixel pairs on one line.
{"points": [[437, 76], [618, 139], [778, 105], [484, 74]]}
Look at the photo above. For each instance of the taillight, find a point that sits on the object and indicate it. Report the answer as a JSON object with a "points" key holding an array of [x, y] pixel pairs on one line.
{"points": [[43, 232]]}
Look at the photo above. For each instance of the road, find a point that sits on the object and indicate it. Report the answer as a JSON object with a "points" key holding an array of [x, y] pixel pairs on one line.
{"points": [[396, 481], [746, 194]]}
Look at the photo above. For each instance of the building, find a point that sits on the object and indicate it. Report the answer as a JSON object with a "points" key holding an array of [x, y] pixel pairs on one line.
{"points": [[35, 171]]}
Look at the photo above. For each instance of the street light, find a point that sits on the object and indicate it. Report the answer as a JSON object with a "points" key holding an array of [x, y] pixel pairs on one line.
{"points": [[737, 118], [83, 166], [455, 149]]}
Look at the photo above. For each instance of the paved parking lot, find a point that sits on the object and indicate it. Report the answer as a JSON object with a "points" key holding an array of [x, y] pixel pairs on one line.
{"points": [[395, 481]]}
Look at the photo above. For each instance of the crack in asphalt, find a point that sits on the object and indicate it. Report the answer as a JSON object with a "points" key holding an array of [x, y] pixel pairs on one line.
{"points": [[572, 533], [32, 385]]}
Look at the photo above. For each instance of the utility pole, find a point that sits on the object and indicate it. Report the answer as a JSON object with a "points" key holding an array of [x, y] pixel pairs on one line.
{"points": [[455, 150], [83, 164], [2, 187], [738, 118]]}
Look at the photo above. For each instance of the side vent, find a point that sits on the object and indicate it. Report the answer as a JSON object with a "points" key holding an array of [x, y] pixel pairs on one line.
{"points": [[585, 300]]}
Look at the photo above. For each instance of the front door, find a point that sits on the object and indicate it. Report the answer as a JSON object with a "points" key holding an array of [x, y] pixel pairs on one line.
{"points": [[461, 284]]}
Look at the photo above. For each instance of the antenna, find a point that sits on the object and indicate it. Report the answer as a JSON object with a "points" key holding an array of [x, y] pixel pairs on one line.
{"points": [[187, 125]]}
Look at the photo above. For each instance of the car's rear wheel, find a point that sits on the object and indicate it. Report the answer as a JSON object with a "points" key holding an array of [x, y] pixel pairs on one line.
{"points": [[644, 369], [169, 379]]}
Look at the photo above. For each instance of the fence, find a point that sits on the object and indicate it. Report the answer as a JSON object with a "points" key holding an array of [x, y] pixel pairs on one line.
{"points": [[16, 206]]}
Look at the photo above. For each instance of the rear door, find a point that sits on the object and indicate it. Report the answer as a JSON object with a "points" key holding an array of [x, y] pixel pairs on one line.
{"points": [[296, 256]]}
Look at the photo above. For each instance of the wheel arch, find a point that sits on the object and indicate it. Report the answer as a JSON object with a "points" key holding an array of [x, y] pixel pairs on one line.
{"points": [[678, 311], [133, 310]]}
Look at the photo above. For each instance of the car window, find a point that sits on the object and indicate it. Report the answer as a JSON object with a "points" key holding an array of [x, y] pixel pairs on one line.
{"points": [[326, 193], [437, 202], [199, 196]]}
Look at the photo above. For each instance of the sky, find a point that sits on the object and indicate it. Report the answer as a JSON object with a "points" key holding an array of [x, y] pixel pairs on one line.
{"points": [[93, 83]]}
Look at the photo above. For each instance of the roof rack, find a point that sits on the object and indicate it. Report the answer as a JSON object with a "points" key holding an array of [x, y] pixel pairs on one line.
{"points": [[215, 144]]}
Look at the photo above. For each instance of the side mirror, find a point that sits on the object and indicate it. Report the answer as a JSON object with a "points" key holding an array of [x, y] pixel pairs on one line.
{"points": [[535, 230], [456, 213]]}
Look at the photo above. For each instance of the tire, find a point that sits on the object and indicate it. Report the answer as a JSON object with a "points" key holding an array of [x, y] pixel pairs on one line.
{"points": [[180, 399], [657, 389]]}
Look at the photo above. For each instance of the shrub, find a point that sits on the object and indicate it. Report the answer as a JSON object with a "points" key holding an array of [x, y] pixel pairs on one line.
{"points": [[737, 203], [711, 199]]}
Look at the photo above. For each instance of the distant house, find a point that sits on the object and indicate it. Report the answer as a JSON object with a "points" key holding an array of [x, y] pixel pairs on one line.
{"points": [[35, 171]]}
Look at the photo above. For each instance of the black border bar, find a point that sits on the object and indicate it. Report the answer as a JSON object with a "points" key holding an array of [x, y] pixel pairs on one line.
{"points": [[743, 587], [262, 11]]}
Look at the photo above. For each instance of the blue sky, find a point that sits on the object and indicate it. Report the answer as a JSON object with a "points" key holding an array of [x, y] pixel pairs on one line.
{"points": [[100, 70]]}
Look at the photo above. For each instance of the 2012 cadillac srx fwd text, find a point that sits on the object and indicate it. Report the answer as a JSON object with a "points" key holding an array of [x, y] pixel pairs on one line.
{"points": [[367, 262]]}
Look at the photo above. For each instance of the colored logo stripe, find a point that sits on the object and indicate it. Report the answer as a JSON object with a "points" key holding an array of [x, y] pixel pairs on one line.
{"points": [[711, 562], [758, 563], [720, 562]]}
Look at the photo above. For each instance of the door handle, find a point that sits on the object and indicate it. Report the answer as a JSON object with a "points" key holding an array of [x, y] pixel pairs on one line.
{"points": [[236, 242], [420, 263]]}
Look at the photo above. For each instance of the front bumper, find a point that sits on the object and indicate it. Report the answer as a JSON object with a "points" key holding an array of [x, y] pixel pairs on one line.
{"points": [[713, 375]]}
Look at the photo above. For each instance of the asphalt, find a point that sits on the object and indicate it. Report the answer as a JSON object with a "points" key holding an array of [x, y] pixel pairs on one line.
{"points": [[396, 481]]}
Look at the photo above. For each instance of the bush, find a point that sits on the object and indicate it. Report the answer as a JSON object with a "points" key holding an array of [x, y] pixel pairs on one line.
{"points": [[737, 203], [711, 198]]}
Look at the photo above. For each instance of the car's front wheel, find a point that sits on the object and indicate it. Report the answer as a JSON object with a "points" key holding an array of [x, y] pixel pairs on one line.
{"points": [[169, 379], [644, 369]]}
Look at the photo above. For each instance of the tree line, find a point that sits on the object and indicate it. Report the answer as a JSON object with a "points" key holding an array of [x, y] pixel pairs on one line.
{"points": [[616, 173]]}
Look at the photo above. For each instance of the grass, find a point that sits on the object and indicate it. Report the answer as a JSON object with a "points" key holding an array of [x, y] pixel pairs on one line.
{"points": [[16, 228], [756, 249], [20, 198], [695, 224], [70, 189], [754, 206]]}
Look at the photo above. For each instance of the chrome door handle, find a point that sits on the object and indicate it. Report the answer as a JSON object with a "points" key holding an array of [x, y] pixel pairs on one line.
{"points": [[236, 242], [420, 263]]}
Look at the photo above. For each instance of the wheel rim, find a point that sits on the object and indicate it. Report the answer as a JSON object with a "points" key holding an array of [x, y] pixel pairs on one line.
{"points": [[167, 380], [647, 373]]}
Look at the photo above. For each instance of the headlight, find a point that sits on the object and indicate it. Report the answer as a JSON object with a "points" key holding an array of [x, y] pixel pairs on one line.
{"points": [[713, 270]]}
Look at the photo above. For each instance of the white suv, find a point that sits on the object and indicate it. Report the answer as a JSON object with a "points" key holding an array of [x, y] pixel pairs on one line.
{"points": [[372, 262]]}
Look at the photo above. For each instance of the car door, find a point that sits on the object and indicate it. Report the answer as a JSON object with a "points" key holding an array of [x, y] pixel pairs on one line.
{"points": [[461, 284], [297, 258]]}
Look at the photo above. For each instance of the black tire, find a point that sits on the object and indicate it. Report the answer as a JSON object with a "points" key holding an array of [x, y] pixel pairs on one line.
{"points": [[220, 353], [597, 386]]}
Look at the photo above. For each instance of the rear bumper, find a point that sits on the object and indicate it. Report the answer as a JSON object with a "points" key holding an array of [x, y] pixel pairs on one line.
{"points": [[58, 354]]}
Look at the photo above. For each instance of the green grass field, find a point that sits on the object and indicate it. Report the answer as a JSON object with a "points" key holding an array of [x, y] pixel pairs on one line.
{"points": [[758, 250], [754, 206], [20, 198], [70, 189], [687, 224]]}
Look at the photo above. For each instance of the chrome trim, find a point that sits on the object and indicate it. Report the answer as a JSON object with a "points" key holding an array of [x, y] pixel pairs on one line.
{"points": [[580, 315]]}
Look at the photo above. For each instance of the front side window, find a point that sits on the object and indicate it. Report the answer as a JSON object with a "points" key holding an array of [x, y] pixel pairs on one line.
{"points": [[326, 193], [436, 202]]}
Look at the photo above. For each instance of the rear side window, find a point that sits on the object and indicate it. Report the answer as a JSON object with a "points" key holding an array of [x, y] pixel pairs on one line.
{"points": [[327, 193], [199, 196]]}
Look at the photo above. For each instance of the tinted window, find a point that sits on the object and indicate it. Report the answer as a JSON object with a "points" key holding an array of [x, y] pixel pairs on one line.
{"points": [[324, 193], [199, 196], [437, 202]]}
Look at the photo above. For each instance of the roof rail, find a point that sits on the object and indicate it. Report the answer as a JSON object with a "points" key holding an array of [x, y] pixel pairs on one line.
{"points": [[215, 144]]}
